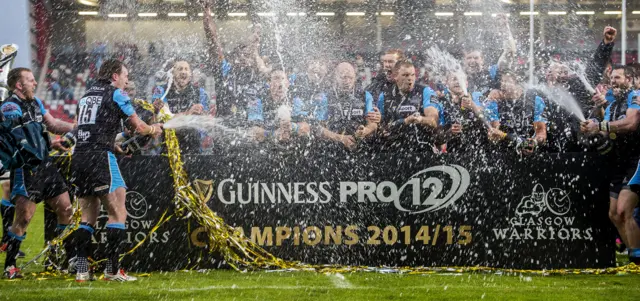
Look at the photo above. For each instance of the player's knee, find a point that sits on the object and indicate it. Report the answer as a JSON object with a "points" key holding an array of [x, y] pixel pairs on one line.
{"points": [[614, 217]]}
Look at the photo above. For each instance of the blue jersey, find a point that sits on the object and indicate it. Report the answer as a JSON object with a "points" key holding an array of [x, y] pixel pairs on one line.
{"points": [[180, 102], [30, 111], [517, 116], [341, 113], [239, 86], [263, 112], [14, 107], [626, 144], [394, 106]]}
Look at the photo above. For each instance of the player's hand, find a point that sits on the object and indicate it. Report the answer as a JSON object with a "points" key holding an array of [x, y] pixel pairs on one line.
{"points": [[195, 109], [590, 126], [57, 144], [157, 130], [364, 131], [349, 141], [157, 105], [494, 95], [496, 135], [455, 129], [374, 116], [258, 133], [467, 102], [303, 129], [599, 99], [413, 118], [609, 34]]}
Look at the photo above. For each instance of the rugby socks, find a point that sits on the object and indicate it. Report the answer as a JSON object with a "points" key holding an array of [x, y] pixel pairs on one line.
{"points": [[83, 241], [7, 210], [634, 255], [13, 247], [68, 243], [116, 236]]}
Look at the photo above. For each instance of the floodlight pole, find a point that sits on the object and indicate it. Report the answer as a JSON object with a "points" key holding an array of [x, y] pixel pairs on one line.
{"points": [[623, 50], [531, 67]]}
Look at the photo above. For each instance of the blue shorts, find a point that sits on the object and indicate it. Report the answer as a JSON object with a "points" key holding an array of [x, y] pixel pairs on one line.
{"points": [[95, 173]]}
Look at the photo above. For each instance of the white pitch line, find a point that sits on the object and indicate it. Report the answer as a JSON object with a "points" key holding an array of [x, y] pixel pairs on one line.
{"points": [[308, 287]]}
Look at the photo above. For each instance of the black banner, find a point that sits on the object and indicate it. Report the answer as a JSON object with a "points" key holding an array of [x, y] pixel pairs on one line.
{"points": [[543, 212]]}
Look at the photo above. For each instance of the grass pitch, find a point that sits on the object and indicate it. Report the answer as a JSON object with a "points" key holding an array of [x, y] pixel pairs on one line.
{"points": [[231, 285]]}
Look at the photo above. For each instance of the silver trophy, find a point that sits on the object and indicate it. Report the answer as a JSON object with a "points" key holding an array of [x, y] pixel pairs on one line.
{"points": [[8, 54]]}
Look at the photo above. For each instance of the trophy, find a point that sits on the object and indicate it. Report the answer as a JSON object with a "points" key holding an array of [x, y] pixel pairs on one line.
{"points": [[8, 53]]}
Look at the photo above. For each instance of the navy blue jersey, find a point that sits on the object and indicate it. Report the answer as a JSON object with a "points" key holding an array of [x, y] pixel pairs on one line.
{"points": [[263, 112], [626, 144], [485, 81], [100, 113], [14, 107], [517, 116], [180, 102], [474, 130], [394, 106], [342, 113], [238, 88]]}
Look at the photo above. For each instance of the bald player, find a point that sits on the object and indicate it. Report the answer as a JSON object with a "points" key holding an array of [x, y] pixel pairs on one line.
{"points": [[344, 113]]}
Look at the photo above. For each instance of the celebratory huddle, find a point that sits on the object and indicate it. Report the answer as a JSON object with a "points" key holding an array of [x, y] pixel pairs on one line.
{"points": [[470, 111]]}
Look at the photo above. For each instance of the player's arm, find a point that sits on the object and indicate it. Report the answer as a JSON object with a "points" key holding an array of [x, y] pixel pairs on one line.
{"points": [[133, 121], [540, 121], [540, 132], [57, 126], [142, 128], [372, 117], [214, 48], [628, 124]]}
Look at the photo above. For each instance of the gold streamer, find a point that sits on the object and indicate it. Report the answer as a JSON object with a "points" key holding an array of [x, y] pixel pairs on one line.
{"points": [[236, 249]]}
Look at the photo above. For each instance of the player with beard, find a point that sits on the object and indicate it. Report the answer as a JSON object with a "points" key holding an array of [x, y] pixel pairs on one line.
{"points": [[263, 112], [345, 114], [409, 111], [384, 79], [521, 113], [620, 123], [480, 78], [183, 97], [94, 168], [238, 78], [562, 126], [43, 183], [463, 118]]}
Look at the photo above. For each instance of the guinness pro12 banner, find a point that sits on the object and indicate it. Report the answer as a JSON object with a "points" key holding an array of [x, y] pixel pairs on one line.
{"points": [[383, 209]]}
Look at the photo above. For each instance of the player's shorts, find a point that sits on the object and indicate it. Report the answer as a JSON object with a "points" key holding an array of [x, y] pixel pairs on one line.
{"points": [[95, 173], [39, 184], [633, 181], [5, 177]]}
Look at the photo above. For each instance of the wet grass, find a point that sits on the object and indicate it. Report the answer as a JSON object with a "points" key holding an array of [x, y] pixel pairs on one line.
{"points": [[231, 285]]}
